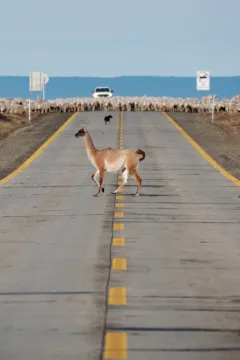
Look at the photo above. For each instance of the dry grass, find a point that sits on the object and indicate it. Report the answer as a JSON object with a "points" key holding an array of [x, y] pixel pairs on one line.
{"points": [[11, 122], [228, 121]]}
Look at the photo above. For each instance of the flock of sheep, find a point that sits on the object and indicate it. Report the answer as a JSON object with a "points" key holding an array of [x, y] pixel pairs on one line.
{"points": [[21, 106]]}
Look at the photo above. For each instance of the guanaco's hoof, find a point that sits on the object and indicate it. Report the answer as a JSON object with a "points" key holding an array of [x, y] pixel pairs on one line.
{"points": [[96, 195], [136, 194]]}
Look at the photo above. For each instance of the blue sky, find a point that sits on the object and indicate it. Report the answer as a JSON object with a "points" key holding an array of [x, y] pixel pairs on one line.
{"points": [[115, 38]]}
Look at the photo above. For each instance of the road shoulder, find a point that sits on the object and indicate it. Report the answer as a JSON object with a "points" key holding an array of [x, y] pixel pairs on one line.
{"points": [[23, 142], [218, 140]]}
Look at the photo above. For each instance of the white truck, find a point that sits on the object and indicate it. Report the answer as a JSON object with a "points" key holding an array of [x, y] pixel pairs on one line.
{"points": [[102, 91]]}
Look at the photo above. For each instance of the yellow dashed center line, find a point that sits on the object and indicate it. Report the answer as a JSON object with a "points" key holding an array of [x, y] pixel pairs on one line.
{"points": [[118, 214], [118, 226], [116, 342], [119, 264], [115, 345], [119, 205], [118, 241], [117, 296], [119, 197]]}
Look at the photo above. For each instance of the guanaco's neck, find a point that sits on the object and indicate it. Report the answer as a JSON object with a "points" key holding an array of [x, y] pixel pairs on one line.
{"points": [[91, 150]]}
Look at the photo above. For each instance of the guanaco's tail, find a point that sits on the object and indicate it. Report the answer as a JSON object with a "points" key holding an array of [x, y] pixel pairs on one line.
{"points": [[141, 152]]}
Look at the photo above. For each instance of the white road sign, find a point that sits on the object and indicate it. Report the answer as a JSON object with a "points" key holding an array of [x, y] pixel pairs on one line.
{"points": [[203, 80], [37, 80]]}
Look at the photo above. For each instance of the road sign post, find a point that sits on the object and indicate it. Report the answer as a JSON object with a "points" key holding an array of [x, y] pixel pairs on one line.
{"points": [[29, 110], [213, 106], [45, 81], [37, 82], [203, 84]]}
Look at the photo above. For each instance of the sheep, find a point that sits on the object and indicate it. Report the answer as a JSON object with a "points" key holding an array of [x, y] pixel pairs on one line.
{"points": [[134, 103]]}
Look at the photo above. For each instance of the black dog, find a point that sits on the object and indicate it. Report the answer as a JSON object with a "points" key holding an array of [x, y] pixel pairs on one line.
{"points": [[107, 119]]}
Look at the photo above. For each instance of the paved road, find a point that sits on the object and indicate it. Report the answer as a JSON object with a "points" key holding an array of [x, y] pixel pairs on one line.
{"points": [[54, 245], [181, 242]]}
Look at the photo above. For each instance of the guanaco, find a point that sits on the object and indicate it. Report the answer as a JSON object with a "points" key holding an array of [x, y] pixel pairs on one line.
{"points": [[110, 160]]}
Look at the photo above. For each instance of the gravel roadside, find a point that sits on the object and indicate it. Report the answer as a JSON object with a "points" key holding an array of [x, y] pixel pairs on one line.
{"points": [[222, 143], [220, 140], [23, 142]]}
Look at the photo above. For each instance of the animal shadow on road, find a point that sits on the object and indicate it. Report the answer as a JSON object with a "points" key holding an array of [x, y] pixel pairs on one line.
{"points": [[147, 194], [151, 195]]}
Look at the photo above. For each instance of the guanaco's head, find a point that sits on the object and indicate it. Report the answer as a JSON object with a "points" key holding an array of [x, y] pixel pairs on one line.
{"points": [[81, 132]]}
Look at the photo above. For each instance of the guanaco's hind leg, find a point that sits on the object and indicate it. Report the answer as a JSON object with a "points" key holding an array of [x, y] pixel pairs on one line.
{"points": [[125, 178], [136, 177]]}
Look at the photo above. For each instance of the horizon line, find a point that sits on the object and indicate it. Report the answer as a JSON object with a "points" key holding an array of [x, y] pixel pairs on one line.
{"points": [[124, 76]]}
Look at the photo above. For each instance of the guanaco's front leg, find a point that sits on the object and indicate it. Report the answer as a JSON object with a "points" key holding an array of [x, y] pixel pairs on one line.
{"points": [[94, 179], [101, 178]]}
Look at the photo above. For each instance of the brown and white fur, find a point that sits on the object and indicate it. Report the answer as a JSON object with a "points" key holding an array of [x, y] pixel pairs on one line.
{"points": [[110, 160]]}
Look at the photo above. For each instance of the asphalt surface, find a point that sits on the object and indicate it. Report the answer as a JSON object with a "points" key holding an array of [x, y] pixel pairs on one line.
{"points": [[181, 249]]}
